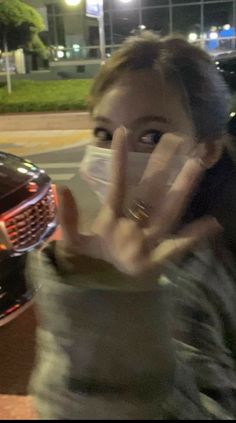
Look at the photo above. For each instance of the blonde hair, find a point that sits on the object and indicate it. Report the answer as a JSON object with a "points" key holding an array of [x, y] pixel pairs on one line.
{"points": [[190, 68]]}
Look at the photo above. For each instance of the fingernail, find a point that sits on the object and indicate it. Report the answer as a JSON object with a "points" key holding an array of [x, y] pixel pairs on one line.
{"points": [[122, 130]]}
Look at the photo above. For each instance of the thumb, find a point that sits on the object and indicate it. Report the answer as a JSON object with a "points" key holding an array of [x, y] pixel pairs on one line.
{"points": [[68, 215]]}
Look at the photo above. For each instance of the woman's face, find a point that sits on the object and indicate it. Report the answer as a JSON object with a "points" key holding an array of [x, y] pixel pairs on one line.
{"points": [[147, 108]]}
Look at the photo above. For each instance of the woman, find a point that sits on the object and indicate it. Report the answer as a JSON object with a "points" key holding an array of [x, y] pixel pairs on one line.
{"points": [[134, 318]]}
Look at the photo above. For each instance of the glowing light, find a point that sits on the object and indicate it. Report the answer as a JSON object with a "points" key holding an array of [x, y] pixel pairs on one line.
{"points": [[73, 2], [60, 54], [12, 309], [32, 187], [214, 35], [192, 37], [76, 47]]}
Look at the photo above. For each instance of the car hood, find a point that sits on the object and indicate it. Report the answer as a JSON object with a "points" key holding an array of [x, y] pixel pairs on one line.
{"points": [[15, 175], [14, 172]]}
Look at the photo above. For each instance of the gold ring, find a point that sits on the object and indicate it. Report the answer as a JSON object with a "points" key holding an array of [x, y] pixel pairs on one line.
{"points": [[140, 212]]}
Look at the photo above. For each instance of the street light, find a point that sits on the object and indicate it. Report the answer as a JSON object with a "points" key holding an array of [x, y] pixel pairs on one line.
{"points": [[73, 2]]}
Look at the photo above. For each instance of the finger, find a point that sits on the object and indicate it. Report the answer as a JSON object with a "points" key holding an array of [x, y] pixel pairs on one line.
{"points": [[165, 162], [116, 195], [182, 190], [165, 153], [174, 205], [68, 217], [185, 240]]}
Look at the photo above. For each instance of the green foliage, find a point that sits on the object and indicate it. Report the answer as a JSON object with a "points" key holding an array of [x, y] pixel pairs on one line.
{"points": [[37, 46], [45, 96], [20, 23]]}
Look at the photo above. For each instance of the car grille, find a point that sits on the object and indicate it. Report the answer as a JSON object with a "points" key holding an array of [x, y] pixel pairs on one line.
{"points": [[27, 227]]}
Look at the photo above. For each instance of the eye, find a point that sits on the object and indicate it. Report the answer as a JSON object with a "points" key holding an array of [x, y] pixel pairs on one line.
{"points": [[102, 134], [151, 137]]}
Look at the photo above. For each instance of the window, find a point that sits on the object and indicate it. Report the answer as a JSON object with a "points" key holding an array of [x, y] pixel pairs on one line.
{"points": [[156, 19], [186, 19], [54, 9], [184, 1], [50, 9], [124, 24], [107, 25], [52, 31], [107, 4], [60, 30], [151, 3], [218, 14], [118, 5]]}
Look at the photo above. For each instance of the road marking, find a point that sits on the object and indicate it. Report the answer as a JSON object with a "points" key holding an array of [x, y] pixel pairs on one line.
{"points": [[59, 165], [62, 176]]}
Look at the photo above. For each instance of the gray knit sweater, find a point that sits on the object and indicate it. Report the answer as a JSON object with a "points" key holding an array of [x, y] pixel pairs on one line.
{"points": [[114, 347]]}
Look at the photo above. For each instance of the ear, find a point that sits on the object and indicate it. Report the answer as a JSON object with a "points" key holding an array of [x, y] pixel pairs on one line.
{"points": [[210, 151]]}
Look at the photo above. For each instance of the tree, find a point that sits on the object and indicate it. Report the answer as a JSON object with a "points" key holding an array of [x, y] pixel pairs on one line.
{"points": [[20, 25]]}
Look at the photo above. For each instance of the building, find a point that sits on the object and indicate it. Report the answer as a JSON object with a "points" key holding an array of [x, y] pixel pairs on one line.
{"points": [[73, 38], [207, 20], [66, 26]]}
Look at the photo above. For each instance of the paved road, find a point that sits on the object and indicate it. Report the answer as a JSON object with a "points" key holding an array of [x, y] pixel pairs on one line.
{"points": [[63, 167]]}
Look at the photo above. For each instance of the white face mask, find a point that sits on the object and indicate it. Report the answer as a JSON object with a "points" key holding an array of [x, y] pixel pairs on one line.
{"points": [[96, 166]]}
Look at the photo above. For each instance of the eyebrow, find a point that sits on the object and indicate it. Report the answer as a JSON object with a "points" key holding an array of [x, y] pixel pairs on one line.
{"points": [[143, 119], [102, 119]]}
